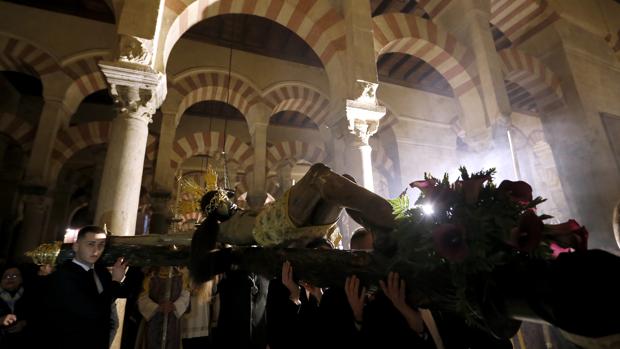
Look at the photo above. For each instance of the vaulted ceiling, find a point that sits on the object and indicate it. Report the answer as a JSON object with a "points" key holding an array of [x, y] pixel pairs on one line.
{"points": [[265, 37]]}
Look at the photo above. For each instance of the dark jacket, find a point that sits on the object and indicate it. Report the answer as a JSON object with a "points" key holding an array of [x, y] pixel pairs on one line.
{"points": [[77, 315], [9, 336]]}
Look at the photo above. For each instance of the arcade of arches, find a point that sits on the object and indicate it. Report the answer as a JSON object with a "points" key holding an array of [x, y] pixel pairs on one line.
{"points": [[104, 103]]}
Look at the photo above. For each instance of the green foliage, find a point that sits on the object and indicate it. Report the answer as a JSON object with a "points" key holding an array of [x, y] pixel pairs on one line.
{"points": [[460, 285], [400, 205]]}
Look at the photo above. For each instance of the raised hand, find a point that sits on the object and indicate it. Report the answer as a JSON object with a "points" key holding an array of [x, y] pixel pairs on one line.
{"points": [[291, 285], [119, 269], [317, 292], [395, 290], [355, 298]]}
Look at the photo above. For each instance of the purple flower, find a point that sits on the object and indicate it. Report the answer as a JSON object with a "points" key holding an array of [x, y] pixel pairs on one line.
{"points": [[449, 240], [471, 188], [436, 194], [568, 235], [518, 191], [528, 235]]}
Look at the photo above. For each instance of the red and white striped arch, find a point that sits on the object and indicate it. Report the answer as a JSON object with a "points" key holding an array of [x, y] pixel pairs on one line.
{"points": [[298, 97], [531, 74], [317, 22], [521, 19], [17, 129], [21, 56], [210, 143], [410, 34], [87, 78], [293, 150], [212, 85], [76, 138]]}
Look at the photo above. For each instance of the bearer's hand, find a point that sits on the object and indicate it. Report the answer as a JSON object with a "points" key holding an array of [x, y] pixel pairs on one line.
{"points": [[314, 291], [119, 269], [291, 285], [395, 291], [356, 299]]}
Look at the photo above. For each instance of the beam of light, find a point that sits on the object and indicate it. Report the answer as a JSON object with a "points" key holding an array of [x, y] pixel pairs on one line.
{"points": [[428, 209]]}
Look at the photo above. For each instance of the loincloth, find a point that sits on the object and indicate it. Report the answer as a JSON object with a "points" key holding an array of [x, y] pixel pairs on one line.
{"points": [[274, 225]]}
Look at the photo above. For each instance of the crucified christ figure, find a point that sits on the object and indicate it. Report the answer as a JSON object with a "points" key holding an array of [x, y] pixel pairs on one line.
{"points": [[307, 211]]}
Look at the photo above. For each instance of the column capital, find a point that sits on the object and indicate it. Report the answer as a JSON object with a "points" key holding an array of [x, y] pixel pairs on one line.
{"points": [[138, 90], [261, 126], [133, 49], [364, 113], [36, 196]]}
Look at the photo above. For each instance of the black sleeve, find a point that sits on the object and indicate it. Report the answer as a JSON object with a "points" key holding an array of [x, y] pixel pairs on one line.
{"points": [[281, 316]]}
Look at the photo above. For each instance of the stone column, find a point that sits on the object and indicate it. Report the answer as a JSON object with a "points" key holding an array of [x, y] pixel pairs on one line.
{"points": [[54, 117], [360, 56], [477, 16], [575, 130], [258, 192], [97, 176], [36, 202], [286, 177], [163, 184], [59, 212], [138, 91], [161, 216], [547, 172], [35, 214], [469, 21], [362, 115], [164, 178]]}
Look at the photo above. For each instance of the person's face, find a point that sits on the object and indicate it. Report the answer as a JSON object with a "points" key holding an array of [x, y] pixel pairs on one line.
{"points": [[88, 249], [11, 279], [366, 243]]}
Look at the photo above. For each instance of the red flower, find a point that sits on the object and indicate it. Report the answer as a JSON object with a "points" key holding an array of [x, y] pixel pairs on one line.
{"points": [[528, 235], [471, 188], [518, 191], [556, 249], [449, 240], [568, 235], [435, 193], [427, 186]]}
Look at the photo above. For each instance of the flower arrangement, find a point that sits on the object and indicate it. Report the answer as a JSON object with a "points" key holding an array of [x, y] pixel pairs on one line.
{"points": [[473, 228]]}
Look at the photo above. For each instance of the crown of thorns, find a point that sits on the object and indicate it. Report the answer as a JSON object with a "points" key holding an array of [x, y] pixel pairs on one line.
{"points": [[220, 197]]}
